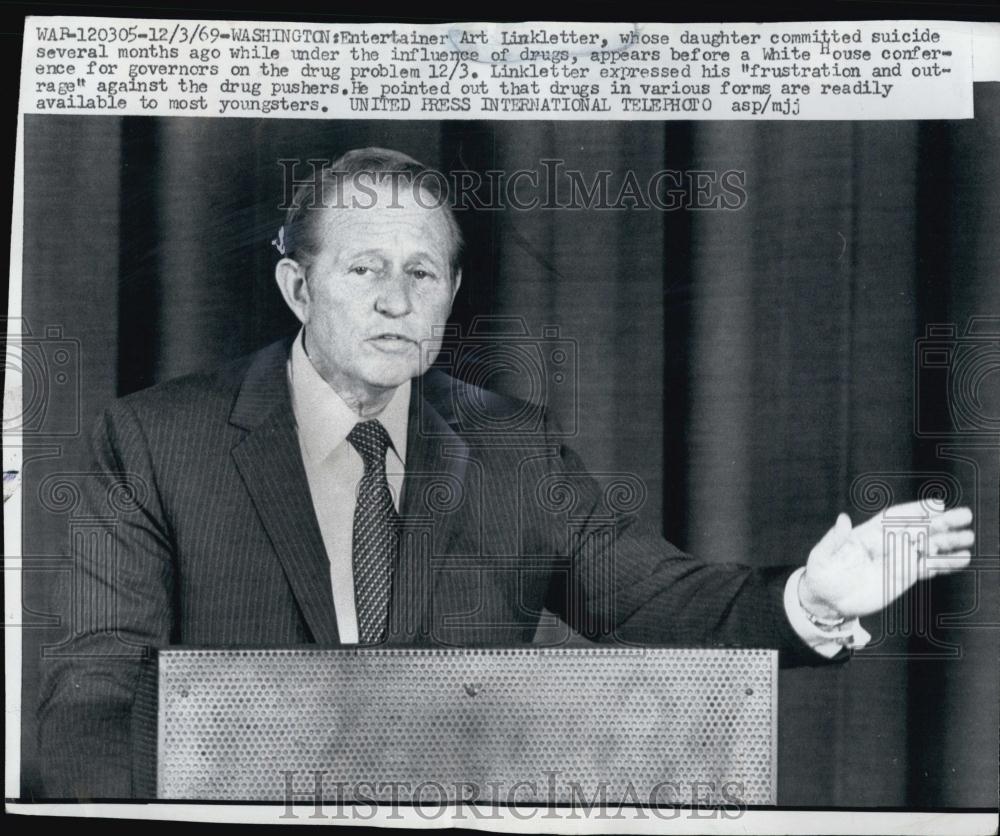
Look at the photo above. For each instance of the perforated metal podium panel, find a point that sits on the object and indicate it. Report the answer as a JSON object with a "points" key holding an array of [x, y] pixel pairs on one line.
{"points": [[526, 725]]}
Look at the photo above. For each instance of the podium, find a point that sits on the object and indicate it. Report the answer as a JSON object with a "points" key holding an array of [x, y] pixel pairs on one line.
{"points": [[545, 726]]}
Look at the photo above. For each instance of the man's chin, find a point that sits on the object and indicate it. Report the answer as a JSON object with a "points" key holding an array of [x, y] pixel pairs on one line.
{"points": [[391, 378]]}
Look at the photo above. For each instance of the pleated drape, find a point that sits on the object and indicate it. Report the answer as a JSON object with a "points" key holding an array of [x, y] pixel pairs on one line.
{"points": [[754, 368]]}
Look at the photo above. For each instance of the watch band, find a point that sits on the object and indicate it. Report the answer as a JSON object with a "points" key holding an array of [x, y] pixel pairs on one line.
{"points": [[825, 624]]}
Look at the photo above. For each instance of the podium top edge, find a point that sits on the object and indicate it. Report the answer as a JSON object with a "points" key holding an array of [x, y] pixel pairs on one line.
{"points": [[182, 650]]}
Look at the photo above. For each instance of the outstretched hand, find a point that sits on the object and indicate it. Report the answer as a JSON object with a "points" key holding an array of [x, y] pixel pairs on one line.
{"points": [[856, 571]]}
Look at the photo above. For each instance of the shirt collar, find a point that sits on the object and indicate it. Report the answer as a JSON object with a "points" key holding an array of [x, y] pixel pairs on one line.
{"points": [[324, 419]]}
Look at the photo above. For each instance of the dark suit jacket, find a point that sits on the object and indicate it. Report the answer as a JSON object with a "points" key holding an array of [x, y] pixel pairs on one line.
{"points": [[209, 538]]}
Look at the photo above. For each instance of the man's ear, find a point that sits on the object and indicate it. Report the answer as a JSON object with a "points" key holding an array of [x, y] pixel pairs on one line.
{"points": [[291, 279], [458, 283]]}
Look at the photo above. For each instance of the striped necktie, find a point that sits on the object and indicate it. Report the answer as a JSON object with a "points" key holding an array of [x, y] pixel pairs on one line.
{"points": [[376, 533]]}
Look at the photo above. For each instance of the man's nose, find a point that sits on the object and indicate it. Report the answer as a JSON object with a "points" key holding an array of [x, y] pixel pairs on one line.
{"points": [[393, 297]]}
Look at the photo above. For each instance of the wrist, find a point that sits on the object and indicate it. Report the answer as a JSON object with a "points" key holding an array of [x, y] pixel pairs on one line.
{"points": [[820, 612]]}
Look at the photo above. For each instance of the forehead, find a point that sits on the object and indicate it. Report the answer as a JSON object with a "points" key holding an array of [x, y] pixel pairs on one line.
{"points": [[382, 218]]}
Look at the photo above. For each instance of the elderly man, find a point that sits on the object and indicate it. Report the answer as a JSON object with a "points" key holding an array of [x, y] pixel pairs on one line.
{"points": [[328, 489]]}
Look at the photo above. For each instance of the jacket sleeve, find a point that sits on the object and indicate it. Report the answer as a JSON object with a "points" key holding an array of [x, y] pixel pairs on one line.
{"points": [[626, 584], [96, 722]]}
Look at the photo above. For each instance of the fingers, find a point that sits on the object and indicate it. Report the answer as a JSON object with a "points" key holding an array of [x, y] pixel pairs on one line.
{"points": [[836, 536], [953, 518], [926, 511], [919, 509], [947, 541], [930, 567]]}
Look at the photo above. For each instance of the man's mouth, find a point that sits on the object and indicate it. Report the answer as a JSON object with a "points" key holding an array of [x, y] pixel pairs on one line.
{"points": [[392, 342]]}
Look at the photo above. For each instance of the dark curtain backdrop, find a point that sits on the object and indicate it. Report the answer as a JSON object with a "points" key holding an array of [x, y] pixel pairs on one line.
{"points": [[749, 366]]}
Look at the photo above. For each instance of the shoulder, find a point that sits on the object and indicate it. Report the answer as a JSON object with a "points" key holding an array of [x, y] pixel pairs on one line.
{"points": [[472, 410], [206, 396]]}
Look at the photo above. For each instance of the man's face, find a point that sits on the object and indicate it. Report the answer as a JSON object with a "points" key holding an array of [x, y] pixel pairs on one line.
{"points": [[378, 289]]}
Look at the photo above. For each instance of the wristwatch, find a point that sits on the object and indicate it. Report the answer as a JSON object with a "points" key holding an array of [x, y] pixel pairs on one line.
{"points": [[825, 624]]}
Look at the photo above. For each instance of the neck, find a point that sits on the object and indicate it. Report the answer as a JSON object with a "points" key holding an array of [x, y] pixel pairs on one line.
{"points": [[367, 404], [366, 401]]}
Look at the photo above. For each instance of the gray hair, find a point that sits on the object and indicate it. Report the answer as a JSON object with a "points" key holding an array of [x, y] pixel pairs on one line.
{"points": [[298, 238]]}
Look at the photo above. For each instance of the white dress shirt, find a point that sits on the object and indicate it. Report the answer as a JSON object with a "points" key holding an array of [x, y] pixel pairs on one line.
{"points": [[825, 642], [334, 469]]}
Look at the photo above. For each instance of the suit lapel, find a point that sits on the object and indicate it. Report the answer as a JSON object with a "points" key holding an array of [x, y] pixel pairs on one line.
{"points": [[434, 452], [270, 463], [435, 503]]}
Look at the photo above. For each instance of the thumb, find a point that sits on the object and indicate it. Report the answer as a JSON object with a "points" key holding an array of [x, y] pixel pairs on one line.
{"points": [[836, 536], [843, 528]]}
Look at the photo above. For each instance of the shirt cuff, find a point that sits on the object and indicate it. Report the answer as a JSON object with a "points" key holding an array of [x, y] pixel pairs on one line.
{"points": [[827, 643]]}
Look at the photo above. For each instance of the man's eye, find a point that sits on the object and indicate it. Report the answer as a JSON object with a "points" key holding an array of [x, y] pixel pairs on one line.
{"points": [[421, 274], [361, 270]]}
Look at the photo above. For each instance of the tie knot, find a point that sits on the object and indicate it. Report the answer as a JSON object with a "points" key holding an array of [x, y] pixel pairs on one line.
{"points": [[371, 440]]}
